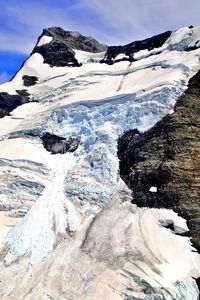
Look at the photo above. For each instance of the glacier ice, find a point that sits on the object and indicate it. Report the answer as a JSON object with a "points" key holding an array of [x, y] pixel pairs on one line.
{"points": [[95, 103]]}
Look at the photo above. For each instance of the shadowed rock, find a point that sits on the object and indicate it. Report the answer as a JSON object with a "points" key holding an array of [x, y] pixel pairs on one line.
{"points": [[168, 157], [75, 40], [9, 102], [59, 52], [56, 144], [129, 49], [29, 80]]}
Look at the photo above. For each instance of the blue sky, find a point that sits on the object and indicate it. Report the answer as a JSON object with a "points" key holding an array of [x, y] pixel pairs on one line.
{"points": [[109, 21]]}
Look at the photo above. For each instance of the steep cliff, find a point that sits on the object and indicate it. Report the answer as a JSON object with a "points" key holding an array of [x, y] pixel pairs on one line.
{"points": [[167, 157]]}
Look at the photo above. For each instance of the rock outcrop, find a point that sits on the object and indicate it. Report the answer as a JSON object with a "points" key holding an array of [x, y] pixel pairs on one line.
{"points": [[75, 40], [29, 80], [129, 49], [59, 52], [56, 144], [167, 157], [9, 102]]}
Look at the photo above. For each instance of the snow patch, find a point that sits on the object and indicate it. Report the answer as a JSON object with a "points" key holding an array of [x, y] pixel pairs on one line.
{"points": [[153, 189], [88, 57], [121, 56], [44, 40]]}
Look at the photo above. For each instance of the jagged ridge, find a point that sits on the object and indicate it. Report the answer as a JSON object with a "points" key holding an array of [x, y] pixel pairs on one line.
{"points": [[131, 48]]}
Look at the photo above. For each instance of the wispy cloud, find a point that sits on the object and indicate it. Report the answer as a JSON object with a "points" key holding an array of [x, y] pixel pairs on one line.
{"points": [[110, 21], [135, 19], [25, 21]]}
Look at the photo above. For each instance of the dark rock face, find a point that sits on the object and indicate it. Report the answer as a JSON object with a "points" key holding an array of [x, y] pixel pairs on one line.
{"points": [[193, 47], [75, 40], [168, 157], [9, 102], [23, 93], [29, 80], [56, 144], [59, 52], [129, 49], [198, 284]]}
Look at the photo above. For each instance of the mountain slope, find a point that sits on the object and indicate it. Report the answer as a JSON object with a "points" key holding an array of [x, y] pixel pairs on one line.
{"points": [[172, 150], [67, 217]]}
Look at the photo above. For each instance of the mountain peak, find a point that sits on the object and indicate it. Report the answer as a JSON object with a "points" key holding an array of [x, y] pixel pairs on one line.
{"points": [[58, 46], [56, 31], [74, 39]]}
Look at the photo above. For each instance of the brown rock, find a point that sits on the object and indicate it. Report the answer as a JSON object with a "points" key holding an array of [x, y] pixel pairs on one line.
{"points": [[168, 157]]}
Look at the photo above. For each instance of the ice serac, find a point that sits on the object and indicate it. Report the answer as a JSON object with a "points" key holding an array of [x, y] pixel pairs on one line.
{"points": [[68, 227]]}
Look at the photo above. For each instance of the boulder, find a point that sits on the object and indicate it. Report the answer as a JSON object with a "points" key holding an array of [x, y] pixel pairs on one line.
{"points": [[56, 144]]}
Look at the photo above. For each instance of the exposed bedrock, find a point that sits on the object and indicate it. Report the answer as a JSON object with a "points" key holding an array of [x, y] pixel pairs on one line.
{"points": [[75, 40], [129, 49], [29, 80], [56, 144], [59, 52], [9, 102], [162, 165]]}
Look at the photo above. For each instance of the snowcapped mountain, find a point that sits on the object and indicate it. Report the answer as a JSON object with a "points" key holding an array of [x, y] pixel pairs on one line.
{"points": [[99, 170]]}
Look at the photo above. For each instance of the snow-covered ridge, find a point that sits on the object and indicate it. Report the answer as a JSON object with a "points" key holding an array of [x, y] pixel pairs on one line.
{"points": [[97, 103], [182, 39]]}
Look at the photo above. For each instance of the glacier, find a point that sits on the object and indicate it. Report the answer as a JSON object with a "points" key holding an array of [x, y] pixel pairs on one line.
{"points": [[76, 193]]}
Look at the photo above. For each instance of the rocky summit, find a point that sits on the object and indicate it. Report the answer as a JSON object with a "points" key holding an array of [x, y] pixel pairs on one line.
{"points": [[99, 170], [59, 51]]}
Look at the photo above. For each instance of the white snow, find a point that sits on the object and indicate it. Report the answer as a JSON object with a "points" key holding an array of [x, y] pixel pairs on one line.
{"points": [[21, 148], [53, 214], [45, 39], [179, 36], [153, 189], [85, 57], [121, 56]]}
